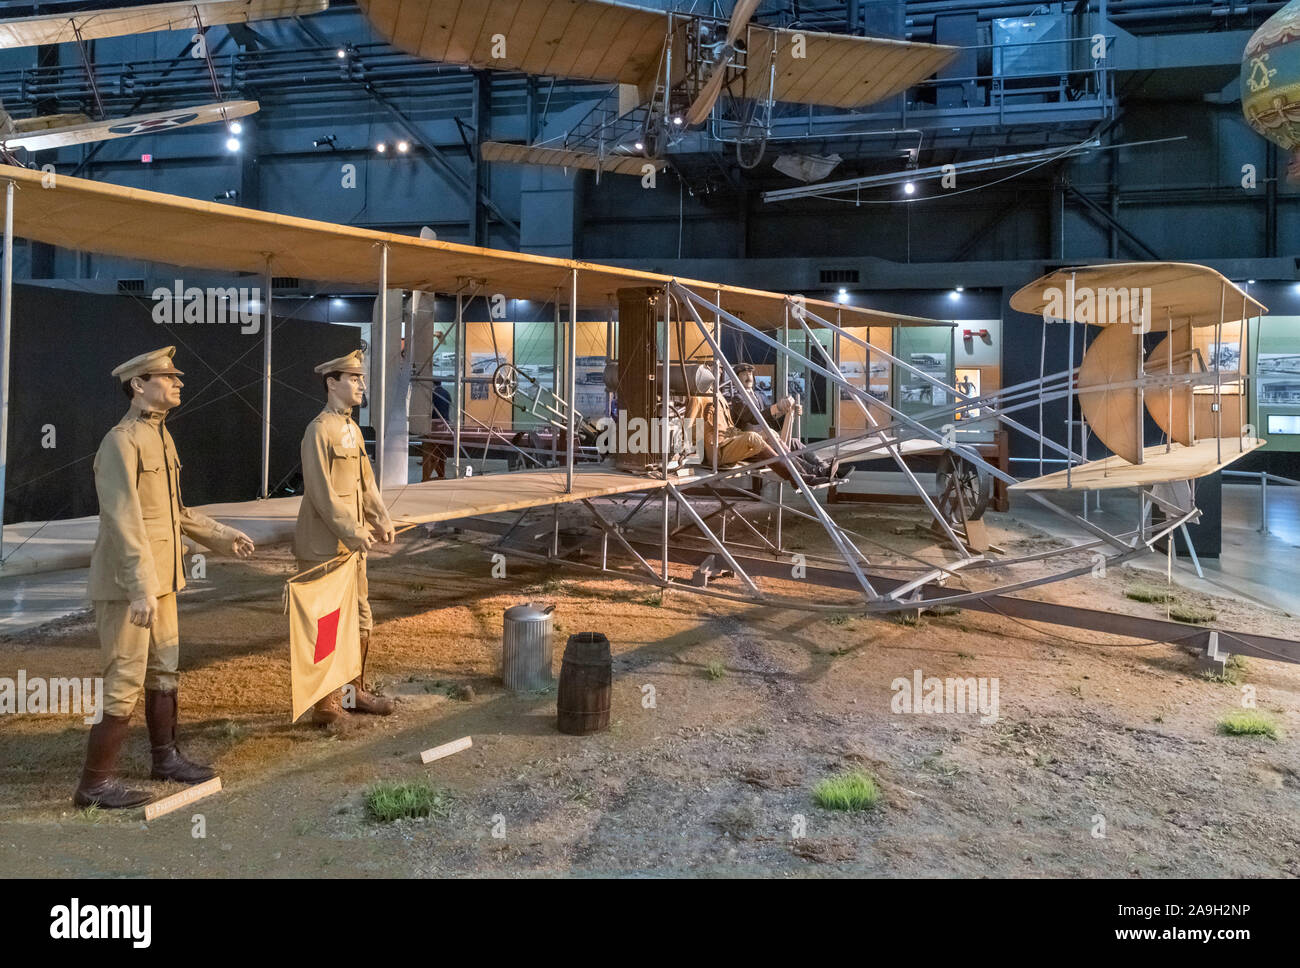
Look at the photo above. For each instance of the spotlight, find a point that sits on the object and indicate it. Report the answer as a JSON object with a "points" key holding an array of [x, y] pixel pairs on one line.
{"points": [[909, 188], [232, 144], [1250, 282], [403, 147], [842, 296], [336, 301], [677, 120], [640, 146], [960, 288], [381, 147], [342, 53], [954, 295], [236, 127]]}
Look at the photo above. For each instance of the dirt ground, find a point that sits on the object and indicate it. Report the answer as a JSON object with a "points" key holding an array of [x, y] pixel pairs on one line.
{"points": [[1104, 760]]}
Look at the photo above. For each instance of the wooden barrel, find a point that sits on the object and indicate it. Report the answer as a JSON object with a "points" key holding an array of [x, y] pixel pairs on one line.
{"points": [[586, 675]]}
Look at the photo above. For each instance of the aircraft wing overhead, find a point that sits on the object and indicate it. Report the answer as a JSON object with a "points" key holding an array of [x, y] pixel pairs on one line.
{"points": [[1177, 292], [81, 214], [566, 158], [838, 70], [121, 21], [588, 39], [39, 134], [617, 43]]}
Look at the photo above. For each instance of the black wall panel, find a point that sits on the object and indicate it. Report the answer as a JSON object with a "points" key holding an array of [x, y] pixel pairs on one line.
{"points": [[64, 347]]}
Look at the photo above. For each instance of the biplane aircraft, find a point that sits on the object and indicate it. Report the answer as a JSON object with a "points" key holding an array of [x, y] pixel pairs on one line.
{"points": [[675, 517], [672, 67], [59, 130]]}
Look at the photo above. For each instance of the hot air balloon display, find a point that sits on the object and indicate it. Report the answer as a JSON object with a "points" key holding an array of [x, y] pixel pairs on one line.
{"points": [[1270, 82]]}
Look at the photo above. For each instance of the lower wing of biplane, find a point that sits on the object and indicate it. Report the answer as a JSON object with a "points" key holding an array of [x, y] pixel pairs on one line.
{"points": [[1191, 383], [81, 27], [61, 130]]}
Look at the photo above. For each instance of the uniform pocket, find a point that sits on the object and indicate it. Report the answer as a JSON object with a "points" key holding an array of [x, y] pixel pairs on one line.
{"points": [[345, 471], [152, 487]]}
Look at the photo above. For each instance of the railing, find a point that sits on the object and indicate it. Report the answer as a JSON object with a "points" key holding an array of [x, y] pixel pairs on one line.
{"points": [[1263, 477], [603, 130]]}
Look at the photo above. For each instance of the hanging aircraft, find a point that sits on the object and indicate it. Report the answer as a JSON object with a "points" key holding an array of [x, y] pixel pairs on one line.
{"points": [[59, 130], [672, 67]]}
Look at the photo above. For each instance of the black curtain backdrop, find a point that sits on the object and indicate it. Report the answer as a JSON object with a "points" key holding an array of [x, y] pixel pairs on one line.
{"points": [[64, 346]]}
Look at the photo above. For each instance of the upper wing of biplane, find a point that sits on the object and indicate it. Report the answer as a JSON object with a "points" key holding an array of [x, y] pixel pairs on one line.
{"points": [[1119, 292], [118, 22], [599, 40], [92, 216]]}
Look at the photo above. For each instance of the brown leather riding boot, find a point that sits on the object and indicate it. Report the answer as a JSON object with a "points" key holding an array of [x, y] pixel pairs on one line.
{"points": [[369, 702], [99, 786], [329, 710], [168, 763]]}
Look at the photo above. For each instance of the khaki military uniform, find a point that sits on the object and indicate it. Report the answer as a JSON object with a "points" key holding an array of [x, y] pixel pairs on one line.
{"points": [[138, 552], [340, 497], [734, 445]]}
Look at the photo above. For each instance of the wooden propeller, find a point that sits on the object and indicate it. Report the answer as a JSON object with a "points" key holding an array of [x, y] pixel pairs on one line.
{"points": [[704, 101]]}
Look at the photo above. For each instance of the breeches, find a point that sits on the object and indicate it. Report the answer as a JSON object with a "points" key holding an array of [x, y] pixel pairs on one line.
{"points": [[136, 659], [741, 446]]}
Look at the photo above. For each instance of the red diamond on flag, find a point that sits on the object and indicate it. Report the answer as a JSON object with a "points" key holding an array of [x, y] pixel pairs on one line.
{"points": [[327, 630]]}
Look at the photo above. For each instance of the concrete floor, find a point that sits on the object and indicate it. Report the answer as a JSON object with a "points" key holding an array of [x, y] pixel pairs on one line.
{"points": [[1261, 568], [30, 600]]}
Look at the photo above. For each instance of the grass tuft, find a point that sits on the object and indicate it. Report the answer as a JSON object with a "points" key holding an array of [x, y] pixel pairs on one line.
{"points": [[389, 801], [1247, 722], [853, 790], [1191, 613], [715, 670], [1148, 593]]}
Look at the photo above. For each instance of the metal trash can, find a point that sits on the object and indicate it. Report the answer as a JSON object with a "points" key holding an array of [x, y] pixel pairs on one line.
{"points": [[526, 648]]}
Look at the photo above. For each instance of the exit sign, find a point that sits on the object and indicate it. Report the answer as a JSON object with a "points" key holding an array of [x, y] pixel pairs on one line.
{"points": [[146, 159]]}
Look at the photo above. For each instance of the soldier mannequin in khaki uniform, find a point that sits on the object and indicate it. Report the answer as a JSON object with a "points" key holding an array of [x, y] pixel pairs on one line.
{"points": [[135, 573], [341, 507]]}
